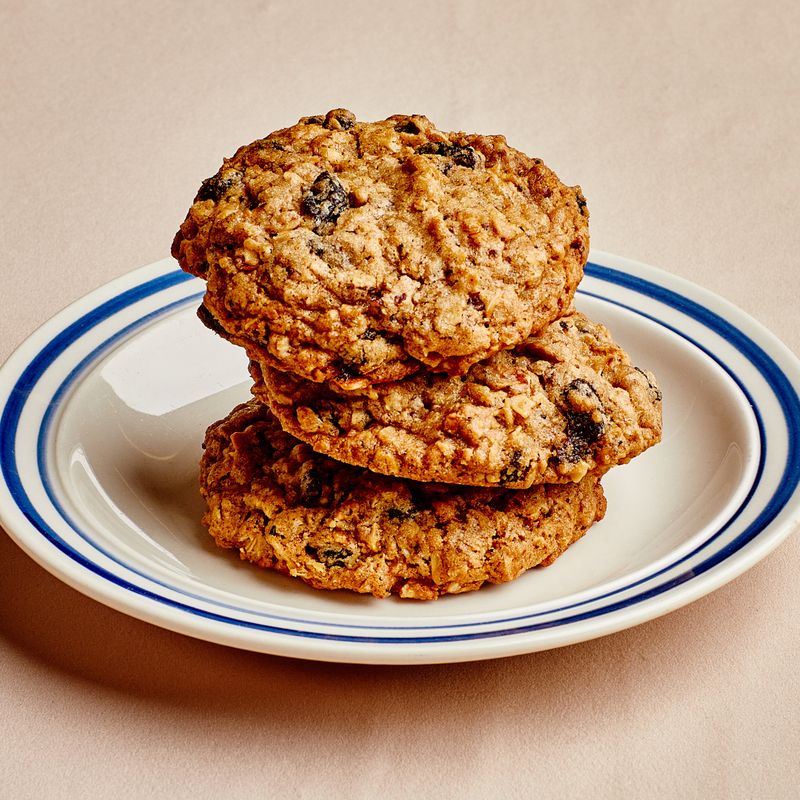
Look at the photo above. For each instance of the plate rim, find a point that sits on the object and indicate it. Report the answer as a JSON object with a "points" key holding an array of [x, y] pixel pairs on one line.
{"points": [[362, 649]]}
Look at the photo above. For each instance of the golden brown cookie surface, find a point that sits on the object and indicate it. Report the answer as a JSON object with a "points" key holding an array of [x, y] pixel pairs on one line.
{"points": [[335, 526], [562, 404], [354, 252]]}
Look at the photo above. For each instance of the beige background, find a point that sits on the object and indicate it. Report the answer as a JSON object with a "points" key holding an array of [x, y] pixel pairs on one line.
{"points": [[680, 120]]}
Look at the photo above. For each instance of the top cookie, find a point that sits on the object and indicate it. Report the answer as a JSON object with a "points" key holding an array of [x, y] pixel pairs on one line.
{"points": [[349, 252]]}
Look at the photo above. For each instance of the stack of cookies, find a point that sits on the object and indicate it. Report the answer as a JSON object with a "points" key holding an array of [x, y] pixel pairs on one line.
{"points": [[430, 412]]}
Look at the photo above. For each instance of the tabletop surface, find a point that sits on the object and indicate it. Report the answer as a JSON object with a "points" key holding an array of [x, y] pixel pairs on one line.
{"points": [[679, 120]]}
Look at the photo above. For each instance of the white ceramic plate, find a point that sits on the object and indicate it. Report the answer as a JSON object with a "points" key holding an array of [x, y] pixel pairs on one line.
{"points": [[104, 409]]}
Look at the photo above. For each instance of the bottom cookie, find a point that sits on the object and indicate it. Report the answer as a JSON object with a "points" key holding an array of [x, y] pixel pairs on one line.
{"points": [[335, 526]]}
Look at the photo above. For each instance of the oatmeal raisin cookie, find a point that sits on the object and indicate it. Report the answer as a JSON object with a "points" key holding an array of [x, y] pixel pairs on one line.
{"points": [[334, 526], [562, 404], [354, 252]]}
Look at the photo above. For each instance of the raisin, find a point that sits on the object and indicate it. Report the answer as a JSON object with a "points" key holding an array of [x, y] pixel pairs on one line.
{"points": [[311, 487], [581, 200], [583, 427], [325, 200], [340, 119], [409, 126], [330, 556], [347, 371], [476, 302], [515, 470], [398, 515], [369, 334], [463, 155], [332, 417], [258, 517], [580, 387], [318, 119], [214, 188], [582, 430]]}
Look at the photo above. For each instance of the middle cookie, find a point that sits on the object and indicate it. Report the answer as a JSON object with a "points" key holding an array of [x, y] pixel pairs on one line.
{"points": [[565, 403]]}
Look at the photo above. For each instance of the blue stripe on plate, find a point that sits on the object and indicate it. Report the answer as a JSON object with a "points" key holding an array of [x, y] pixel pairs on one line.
{"points": [[784, 392], [9, 421]]}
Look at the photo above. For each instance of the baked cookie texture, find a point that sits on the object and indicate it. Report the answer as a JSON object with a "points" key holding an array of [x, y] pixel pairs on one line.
{"points": [[354, 253], [565, 403], [335, 526]]}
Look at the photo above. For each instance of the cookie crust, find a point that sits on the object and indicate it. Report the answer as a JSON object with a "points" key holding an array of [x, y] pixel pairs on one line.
{"points": [[565, 403], [354, 252], [334, 526]]}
